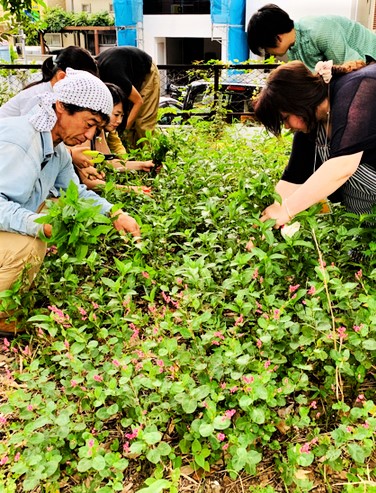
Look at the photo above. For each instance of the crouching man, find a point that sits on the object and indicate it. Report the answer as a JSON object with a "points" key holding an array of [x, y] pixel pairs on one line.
{"points": [[34, 160]]}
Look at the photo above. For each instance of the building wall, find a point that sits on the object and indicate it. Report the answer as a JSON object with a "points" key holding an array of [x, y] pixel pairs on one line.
{"points": [[90, 6], [360, 10], [158, 27], [55, 3]]}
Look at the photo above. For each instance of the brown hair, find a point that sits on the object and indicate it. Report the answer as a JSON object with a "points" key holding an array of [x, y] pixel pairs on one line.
{"points": [[293, 88]]}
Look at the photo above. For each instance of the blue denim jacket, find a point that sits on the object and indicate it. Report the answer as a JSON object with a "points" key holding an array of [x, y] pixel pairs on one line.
{"points": [[24, 182]]}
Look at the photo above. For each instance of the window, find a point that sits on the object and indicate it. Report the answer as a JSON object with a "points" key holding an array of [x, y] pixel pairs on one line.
{"points": [[86, 7], [53, 40], [153, 7]]}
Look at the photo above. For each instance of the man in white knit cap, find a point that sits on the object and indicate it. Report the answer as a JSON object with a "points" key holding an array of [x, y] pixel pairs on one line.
{"points": [[34, 159]]}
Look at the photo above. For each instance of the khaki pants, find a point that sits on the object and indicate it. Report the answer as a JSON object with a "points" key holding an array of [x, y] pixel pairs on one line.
{"points": [[148, 114], [17, 252]]}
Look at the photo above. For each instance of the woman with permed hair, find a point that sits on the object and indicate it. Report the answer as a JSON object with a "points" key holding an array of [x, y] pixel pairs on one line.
{"points": [[333, 115]]}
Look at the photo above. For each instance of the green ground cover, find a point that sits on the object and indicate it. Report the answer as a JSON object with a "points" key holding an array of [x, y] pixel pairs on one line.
{"points": [[185, 354]]}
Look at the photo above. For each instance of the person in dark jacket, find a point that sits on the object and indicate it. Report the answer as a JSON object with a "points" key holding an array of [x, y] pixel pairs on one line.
{"points": [[333, 115], [135, 73]]}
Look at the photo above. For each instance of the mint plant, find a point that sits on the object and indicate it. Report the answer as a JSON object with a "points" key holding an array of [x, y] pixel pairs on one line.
{"points": [[186, 354]]}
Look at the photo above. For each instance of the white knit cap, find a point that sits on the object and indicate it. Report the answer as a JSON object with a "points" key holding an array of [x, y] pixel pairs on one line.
{"points": [[79, 88]]}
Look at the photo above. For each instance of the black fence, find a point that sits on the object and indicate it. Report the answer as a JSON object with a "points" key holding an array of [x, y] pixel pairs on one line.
{"points": [[175, 79]]}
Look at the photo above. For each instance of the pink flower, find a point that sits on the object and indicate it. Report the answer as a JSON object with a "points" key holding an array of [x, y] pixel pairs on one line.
{"points": [[365, 425], [29, 407], [166, 297], [94, 305], [221, 436], [255, 274], [27, 351], [17, 457], [267, 364], [359, 275], [356, 328], [98, 378], [234, 389], [259, 343], [239, 320], [342, 333], [91, 443], [225, 446], [126, 447], [292, 289], [305, 449], [146, 275], [313, 405], [230, 413], [132, 435], [219, 335], [3, 419], [312, 290], [360, 398], [248, 379], [160, 363], [3, 460], [115, 362]]}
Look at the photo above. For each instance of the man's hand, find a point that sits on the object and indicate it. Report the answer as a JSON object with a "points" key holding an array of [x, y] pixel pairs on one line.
{"points": [[126, 223], [90, 173], [79, 158], [140, 165], [47, 230]]}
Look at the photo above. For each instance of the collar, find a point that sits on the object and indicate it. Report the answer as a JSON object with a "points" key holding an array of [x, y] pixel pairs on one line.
{"points": [[47, 147]]}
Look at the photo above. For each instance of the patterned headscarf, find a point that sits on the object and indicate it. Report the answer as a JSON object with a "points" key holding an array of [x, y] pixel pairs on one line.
{"points": [[77, 87]]}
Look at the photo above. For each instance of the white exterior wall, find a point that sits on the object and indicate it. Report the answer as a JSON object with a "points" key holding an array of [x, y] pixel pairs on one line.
{"points": [[95, 5], [359, 10], [158, 27]]}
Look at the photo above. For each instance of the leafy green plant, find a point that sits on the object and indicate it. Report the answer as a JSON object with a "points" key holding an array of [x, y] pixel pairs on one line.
{"points": [[188, 354], [77, 224]]}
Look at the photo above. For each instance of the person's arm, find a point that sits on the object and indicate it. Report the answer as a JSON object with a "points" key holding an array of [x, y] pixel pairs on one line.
{"points": [[140, 165], [327, 179], [136, 99], [123, 222], [18, 174], [115, 144], [126, 223], [285, 188]]}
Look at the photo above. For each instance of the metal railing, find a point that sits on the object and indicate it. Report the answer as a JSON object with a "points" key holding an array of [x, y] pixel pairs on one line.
{"points": [[14, 77]]}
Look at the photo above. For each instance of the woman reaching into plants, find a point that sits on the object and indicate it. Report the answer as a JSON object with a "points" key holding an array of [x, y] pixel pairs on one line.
{"points": [[107, 141], [333, 113]]}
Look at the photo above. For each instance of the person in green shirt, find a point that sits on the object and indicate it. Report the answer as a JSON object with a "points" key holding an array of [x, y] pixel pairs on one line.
{"points": [[310, 39]]}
